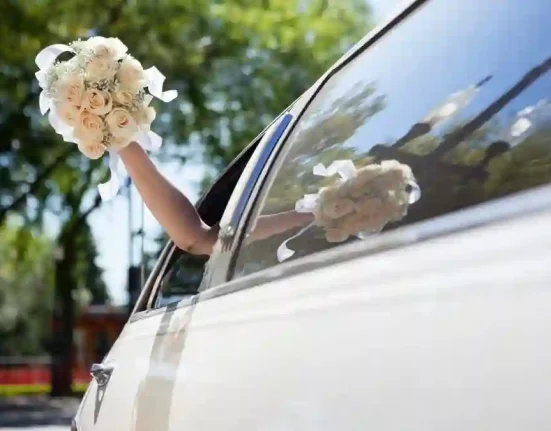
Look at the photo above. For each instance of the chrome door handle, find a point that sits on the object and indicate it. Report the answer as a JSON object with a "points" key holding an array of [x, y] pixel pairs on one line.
{"points": [[102, 373]]}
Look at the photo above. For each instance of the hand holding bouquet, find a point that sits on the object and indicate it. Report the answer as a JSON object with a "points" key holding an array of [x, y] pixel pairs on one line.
{"points": [[99, 99], [364, 200], [360, 203]]}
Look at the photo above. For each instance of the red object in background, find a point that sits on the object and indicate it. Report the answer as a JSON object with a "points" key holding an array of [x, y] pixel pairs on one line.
{"points": [[36, 375], [96, 329]]}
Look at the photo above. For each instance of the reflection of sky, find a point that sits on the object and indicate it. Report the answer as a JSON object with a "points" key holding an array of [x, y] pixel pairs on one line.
{"points": [[446, 48]]}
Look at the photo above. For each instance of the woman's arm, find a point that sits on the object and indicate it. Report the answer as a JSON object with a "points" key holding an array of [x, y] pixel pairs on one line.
{"points": [[178, 216], [273, 224], [168, 205]]}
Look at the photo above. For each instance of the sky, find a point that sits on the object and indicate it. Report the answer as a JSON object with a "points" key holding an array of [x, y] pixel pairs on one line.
{"points": [[110, 223]]}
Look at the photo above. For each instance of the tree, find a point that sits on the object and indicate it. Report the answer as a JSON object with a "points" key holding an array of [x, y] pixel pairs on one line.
{"points": [[235, 64], [25, 289]]}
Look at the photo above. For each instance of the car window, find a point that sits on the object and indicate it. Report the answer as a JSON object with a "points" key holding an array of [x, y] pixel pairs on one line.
{"points": [[448, 110], [181, 280]]}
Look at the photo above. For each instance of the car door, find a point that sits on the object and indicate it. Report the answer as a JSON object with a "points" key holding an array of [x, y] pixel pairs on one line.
{"points": [[134, 384], [109, 401], [438, 321]]}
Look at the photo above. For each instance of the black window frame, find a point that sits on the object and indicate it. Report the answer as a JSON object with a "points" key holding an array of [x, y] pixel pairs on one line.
{"points": [[169, 256]]}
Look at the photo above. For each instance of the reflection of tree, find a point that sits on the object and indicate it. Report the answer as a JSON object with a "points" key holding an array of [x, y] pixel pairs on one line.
{"points": [[320, 138], [466, 164], [458, 136], [184, 278]]}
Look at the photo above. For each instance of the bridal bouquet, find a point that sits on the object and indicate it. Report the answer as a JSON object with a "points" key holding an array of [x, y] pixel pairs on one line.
{"points": [[99, 99], [360, 203]]}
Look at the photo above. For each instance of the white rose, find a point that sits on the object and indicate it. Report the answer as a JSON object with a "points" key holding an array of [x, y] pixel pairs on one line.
{"points": [[320, 219], [110, 47], [68, 113], [89, 128], [367, 205], [122, 97], [97, 102], [390, 180], [91, 150], [145, 116], [121, 123], [328, 194], [70, 89], [131, 74], [354, 224], [335, 235], [119, 143], [337, 208], [99, 68]]}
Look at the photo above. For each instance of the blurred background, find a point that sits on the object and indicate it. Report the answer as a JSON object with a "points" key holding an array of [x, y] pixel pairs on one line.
{"points": [[70, 265]]}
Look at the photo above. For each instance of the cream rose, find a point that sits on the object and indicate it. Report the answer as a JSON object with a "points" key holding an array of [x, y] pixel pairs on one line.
{"points": [[92, 150], [107, 47], [368, 205], [329, 194], [373, 222], [97, 102], [121, 123], [118, 143], [68, 113], [145, 116], [101, 67], [122, 97], [335, 235], [391, 180], [89, 128], [70, 89], [131, 74], [320, 219], [337, 208]]}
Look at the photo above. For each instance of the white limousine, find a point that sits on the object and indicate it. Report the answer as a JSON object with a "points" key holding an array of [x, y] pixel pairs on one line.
{"points": [[384, 256]]}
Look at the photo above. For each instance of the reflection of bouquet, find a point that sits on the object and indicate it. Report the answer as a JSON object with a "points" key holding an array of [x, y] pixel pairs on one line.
{"points": [[363, 201], [98, 99]]}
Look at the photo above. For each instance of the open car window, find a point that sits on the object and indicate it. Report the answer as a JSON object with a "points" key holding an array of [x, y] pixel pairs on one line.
{"points": [[182, 280]]}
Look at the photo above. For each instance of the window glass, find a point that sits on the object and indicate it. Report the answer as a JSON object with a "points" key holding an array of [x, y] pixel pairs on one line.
{"points": [[182, 280], [457, 95]]}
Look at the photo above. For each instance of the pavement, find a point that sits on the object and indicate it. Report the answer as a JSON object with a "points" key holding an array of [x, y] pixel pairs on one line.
{"points": [[37, 413]]}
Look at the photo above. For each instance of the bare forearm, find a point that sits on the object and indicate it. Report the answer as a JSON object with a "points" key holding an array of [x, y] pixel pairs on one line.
{"points": [[168, 205], [273, 224]]}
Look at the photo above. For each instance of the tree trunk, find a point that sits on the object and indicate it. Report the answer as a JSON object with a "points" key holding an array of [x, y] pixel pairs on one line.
{"points": [[64, 316]]}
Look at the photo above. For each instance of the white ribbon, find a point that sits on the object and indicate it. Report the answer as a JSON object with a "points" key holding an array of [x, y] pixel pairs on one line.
{"points": [[283, 252], [307, 204], [44, 60], [155, 84], [110, 189], [45, 103], [47, 57], [345, 168], [149, 141]]}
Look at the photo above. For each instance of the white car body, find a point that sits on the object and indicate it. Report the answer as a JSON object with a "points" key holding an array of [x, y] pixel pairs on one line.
{"points": [[441, 325]]}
